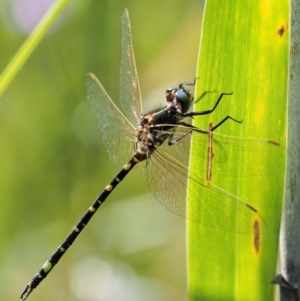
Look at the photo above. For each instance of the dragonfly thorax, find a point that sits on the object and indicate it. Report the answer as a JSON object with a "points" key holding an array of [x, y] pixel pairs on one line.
{"points": [[157, 125]]}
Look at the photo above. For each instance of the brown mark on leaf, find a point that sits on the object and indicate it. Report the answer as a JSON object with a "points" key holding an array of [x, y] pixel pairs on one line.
{"points": [[210, 154], [251, 207], [256, 232], [273, 142], [281, 31]]}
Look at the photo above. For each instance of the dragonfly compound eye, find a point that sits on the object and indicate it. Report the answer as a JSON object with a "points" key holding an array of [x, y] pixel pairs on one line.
{"points": [[184, 98]]}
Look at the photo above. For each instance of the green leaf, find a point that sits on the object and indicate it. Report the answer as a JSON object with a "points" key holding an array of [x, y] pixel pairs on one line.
{"points": [[244, 50]]}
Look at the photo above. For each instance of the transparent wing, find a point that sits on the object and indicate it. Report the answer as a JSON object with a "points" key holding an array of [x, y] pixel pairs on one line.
{"points": [[166, 175], [130, 95], [236, 157], [229, 155], [117, 133]]}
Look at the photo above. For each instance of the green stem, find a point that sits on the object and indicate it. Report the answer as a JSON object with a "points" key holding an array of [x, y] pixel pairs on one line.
{"points": [[30, 44]]}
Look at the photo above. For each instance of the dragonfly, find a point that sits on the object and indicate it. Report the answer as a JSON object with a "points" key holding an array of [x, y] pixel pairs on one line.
{"points": [[162, 139]]}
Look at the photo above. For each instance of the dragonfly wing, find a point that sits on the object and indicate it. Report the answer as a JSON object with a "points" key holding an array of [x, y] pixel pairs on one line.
{"points": [[117, 133], [240, 157], [166, 175], [130, 95], [233, 156]]}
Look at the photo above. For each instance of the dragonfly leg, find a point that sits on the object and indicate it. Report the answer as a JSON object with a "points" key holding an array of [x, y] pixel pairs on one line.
{"points": [[172, 141], [222, 121], [206, 112]]}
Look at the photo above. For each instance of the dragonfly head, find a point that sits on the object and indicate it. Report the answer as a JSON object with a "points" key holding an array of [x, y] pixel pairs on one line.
{"points": [[180, 96]]}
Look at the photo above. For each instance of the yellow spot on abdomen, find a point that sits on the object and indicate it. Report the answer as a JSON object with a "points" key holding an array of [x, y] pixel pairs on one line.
{"points": [[136, 160], [92, 209], [109, 187], [47, 266], [127, 166]]}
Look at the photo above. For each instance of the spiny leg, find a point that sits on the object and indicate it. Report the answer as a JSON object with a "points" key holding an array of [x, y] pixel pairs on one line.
{"points": [[206, 112], [223, 120]]}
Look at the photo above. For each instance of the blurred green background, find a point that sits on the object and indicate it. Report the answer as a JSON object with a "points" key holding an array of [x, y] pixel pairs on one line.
{"points": [[53, 164]]}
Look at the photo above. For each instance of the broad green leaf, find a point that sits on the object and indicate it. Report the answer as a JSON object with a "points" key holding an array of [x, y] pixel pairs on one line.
{"points": [[244, 50]]}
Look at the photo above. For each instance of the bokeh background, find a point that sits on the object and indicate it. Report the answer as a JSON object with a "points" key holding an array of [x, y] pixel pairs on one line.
{"points": [[53, 164]]}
